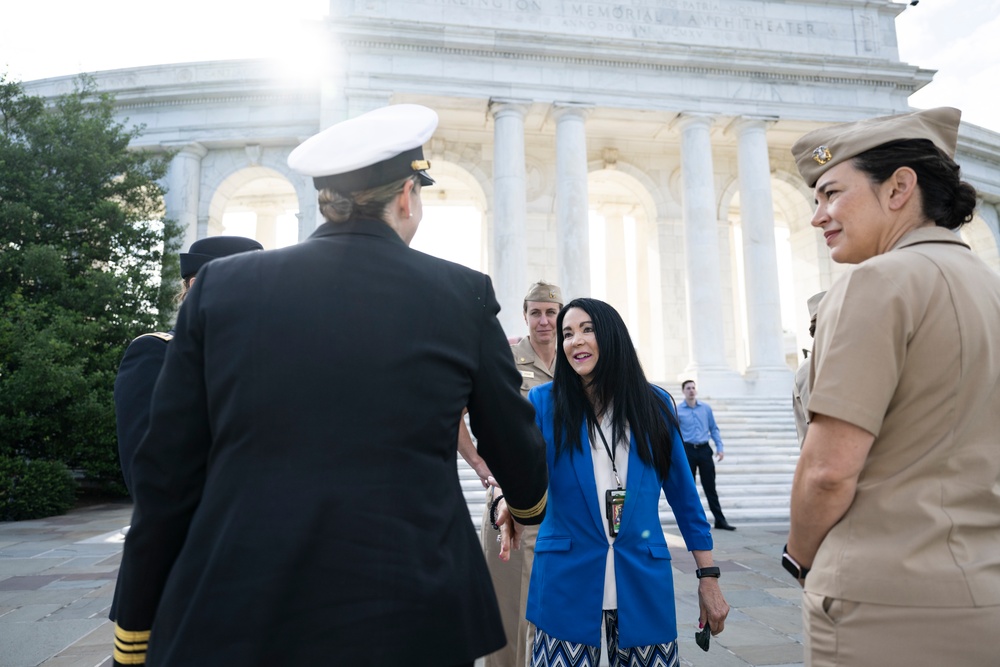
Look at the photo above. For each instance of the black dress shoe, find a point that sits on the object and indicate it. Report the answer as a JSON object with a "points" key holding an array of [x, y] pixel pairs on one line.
{"points": [[724, 525]]}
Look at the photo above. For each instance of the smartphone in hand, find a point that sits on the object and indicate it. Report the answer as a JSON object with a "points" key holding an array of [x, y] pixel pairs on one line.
{"points": [[703, 636]]}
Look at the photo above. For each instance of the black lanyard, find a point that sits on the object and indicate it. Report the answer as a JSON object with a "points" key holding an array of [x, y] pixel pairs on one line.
{"points": [[611, 454]]}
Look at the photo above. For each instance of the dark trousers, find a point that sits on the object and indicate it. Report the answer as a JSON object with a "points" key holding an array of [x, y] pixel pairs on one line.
{"points": [[700, 459]]}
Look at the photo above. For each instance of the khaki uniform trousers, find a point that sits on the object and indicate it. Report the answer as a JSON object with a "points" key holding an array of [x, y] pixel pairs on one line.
{"points": [[510, 581], [841, 633]]}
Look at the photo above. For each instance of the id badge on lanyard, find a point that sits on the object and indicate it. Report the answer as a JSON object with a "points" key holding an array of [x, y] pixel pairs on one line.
{"points": [[614, 499]]}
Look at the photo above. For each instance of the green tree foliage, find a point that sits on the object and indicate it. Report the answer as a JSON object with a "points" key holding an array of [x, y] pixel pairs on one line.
{"points": [[34, 489], [87, 263]]}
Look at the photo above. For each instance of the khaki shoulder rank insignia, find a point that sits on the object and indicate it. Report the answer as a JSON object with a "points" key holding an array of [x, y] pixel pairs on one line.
{"points": [[165, 337]]}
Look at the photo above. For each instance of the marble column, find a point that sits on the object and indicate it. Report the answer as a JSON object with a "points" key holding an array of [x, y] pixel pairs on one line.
{"points": [[617, 272], [766, 363], [361, 101], [208, 226], [572, 204], [266, 231], [706, 338], [510, 212], [991, 216], [183, 191]]}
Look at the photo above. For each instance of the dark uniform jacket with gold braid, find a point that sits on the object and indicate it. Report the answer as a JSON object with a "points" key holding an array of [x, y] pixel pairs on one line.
{"points": [[137, 374], [297, 499]]}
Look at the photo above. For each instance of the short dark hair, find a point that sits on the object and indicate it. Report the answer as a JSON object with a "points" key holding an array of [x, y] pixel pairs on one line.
{"points": [[685, 384], [618, 381], [944, 197]]}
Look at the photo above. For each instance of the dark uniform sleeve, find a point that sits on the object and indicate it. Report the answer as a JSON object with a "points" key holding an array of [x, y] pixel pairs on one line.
{"points": [[504, 422], [137, 374], [133, 390], [168, 476]]}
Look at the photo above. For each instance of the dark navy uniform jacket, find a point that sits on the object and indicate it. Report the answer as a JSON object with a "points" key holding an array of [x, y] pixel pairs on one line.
{"points": [[297, 498], [134, 384], [137, 374]]}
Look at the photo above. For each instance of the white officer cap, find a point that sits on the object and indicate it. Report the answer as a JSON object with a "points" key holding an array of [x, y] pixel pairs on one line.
{"points": [[374, 149]]}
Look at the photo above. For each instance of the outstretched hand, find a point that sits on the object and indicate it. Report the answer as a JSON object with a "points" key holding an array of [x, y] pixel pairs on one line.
{"points": [[510, 531]]}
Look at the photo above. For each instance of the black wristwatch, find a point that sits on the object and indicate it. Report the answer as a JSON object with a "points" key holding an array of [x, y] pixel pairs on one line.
{"points": [[792, 565], [703, 572]]}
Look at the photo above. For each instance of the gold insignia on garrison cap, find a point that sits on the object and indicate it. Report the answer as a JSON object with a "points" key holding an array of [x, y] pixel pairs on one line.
{"points": [[544, 292], [822, 155], [821, 150]]}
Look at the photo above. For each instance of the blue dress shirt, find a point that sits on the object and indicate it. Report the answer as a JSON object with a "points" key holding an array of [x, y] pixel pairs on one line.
{"points": [[698, 424]]}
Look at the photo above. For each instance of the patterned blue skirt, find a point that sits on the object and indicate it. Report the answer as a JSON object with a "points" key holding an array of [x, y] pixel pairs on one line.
{"points": [[551, 652]]}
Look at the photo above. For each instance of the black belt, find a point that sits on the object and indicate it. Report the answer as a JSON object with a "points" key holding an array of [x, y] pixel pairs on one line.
{"points": [[696, 444]]}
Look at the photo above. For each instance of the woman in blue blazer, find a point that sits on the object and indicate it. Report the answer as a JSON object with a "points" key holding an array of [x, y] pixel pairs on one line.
{"points": [[611, 435]]}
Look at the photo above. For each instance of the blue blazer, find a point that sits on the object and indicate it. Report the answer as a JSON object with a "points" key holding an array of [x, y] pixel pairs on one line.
{"points": [[566, 594]]}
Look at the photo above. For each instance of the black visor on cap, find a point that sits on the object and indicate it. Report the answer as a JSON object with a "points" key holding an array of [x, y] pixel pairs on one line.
{"points": [[381, 173]]}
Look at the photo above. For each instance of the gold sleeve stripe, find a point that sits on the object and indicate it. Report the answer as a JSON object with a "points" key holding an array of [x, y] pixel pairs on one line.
{"points": [[125, 646], [129, 658], [532, 511], [131, 636]]}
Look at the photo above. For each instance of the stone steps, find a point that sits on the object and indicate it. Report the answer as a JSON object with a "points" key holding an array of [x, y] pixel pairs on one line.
{"points": [[754, 481]]}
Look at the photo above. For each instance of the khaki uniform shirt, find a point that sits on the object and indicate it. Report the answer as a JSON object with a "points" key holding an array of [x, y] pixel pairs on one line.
{"points": [[532, 369], [800, 398], [908, 348]]}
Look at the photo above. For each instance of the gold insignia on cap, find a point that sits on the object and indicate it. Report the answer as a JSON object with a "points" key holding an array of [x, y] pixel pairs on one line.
{"points": [[552, 295], [822, 155], [420, 165]]}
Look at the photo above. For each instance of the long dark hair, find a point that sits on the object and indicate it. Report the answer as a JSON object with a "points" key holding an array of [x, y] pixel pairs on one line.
{"points": [[945, 198], [617, 381]]}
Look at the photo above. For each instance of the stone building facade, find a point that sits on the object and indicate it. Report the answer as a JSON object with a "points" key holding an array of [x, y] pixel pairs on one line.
{"points": [[664, 125]]}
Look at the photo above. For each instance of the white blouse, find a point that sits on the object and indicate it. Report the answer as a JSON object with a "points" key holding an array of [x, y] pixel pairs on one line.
{"points": [[604, 476]]}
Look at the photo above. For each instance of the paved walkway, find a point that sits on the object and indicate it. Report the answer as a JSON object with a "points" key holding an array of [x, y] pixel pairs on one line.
{"points": [[57, 577]]}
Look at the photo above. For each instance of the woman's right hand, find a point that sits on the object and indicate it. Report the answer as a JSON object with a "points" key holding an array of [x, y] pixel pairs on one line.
{"points": [[714, 608], [510, 531]]}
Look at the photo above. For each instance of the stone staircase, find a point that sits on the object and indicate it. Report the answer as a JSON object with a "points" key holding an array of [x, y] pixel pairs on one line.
{"points": [[754, 481]]}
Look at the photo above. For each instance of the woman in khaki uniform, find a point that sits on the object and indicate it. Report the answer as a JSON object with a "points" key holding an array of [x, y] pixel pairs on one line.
{"points": [[895, 513]]}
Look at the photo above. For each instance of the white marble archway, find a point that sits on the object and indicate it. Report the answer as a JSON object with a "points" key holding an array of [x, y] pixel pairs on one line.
{"points": [[628, 260], [983, 235]]}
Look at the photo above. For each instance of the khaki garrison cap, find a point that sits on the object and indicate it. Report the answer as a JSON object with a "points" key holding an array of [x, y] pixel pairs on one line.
{"points": [[825, 148], [374, 149], [544, 293]]}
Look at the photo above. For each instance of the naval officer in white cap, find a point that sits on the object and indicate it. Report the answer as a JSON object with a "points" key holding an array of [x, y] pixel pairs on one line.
{"points": [[306, 507]]}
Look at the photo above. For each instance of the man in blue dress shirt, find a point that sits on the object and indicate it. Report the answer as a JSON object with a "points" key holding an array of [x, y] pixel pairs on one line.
{"points": [[697, 426]]}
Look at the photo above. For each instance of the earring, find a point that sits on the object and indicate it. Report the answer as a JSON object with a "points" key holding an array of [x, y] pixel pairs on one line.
{"points": [[411, 215]]}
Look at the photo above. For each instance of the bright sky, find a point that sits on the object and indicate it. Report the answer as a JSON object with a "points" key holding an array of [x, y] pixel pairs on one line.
{"points": [[44, 38]]}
